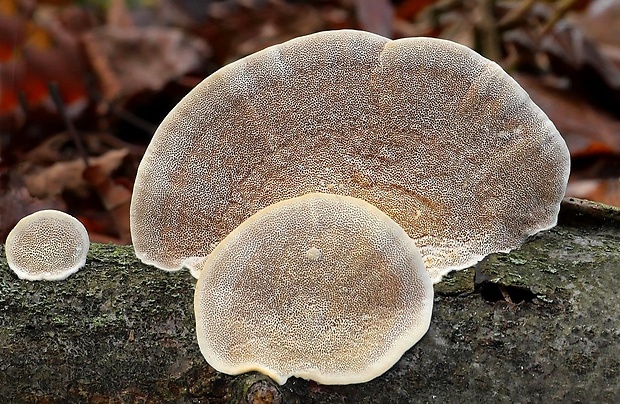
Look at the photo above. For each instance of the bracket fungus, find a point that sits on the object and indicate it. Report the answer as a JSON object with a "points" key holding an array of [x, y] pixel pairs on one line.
{"points": [[427, 130], [47, 244], [323, 287]]}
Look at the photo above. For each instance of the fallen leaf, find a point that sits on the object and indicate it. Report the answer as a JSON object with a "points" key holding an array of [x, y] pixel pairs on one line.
{"points": [[585, 128], [600, 22], [572, 54], [35, 53], [409, 9], [601, 190], [131, 61], [16, 203], [68, 175], [375, 16], [61, 147], [115, 198]]}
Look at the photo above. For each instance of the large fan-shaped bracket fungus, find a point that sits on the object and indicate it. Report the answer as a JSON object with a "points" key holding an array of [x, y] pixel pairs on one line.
{"points": [[430, 132]]}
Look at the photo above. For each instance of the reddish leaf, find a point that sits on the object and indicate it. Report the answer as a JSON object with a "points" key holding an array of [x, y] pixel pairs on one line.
{"points": [[600, 190], [35, 56]]}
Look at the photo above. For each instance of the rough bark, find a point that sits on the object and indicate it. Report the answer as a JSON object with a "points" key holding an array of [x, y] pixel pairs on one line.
{"points": [[539, 324]]}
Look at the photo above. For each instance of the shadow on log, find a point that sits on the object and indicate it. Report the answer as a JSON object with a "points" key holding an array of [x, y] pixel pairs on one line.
{"points": [[538, 324]]}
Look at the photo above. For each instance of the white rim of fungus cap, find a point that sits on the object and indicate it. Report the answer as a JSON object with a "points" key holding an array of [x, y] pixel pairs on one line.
{"points": [[323, 287], [47, 245], [429, 131]]}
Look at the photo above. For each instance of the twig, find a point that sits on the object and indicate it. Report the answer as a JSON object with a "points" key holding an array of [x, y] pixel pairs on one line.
{"points": [[55, 93], [121, 113], [488, 35], [516, 16], [564, 6]]}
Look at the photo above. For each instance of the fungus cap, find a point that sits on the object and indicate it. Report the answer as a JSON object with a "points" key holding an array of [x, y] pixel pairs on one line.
{"points": [[47, 244], [430, 132], [321, 286]]}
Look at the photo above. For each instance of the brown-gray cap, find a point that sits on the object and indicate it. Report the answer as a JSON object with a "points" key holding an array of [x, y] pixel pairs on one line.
{"points": [[433, 134], [47, 244], [324, 287]]}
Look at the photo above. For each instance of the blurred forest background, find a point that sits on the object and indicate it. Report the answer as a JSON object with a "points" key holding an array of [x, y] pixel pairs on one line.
{"points": [[84, 84]]}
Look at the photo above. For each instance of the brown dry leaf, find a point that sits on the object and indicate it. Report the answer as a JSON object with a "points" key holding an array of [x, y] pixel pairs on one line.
{"points": [[375, 16], [16, 203], [571, 53], [601, 190], [68, 175], [61, 147], [118, 14], [601, 23], [131, 61], [235, 30], [49, 151], [586, 129], [409, 9], [115, 198]]}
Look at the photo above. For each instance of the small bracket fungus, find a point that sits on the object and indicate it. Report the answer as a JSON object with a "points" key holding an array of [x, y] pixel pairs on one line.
{"points": [[321, 286], [47, 244], [427, 130]]}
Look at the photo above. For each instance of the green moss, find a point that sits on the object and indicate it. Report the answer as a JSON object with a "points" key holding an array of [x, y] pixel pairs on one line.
{"points": [[456, 283]]}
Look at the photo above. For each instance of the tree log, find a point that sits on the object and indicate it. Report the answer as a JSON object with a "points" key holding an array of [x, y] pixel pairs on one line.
{"points": [[539, 324]]}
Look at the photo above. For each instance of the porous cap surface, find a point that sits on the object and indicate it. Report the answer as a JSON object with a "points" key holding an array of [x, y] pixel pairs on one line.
{"points": [[323, 287]]}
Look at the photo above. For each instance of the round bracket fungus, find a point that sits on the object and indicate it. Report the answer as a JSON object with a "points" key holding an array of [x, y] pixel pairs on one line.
{"points": [[323, 287], [47, 244], [427, 130]]}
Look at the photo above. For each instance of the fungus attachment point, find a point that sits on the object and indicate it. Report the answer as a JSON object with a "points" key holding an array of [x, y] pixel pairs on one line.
{"points": [[48, 244], [342, 311], [194, 264], [427, 130]]}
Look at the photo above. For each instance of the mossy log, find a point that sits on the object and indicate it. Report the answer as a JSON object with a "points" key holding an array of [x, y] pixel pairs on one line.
{"points": [[539, 324]]}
